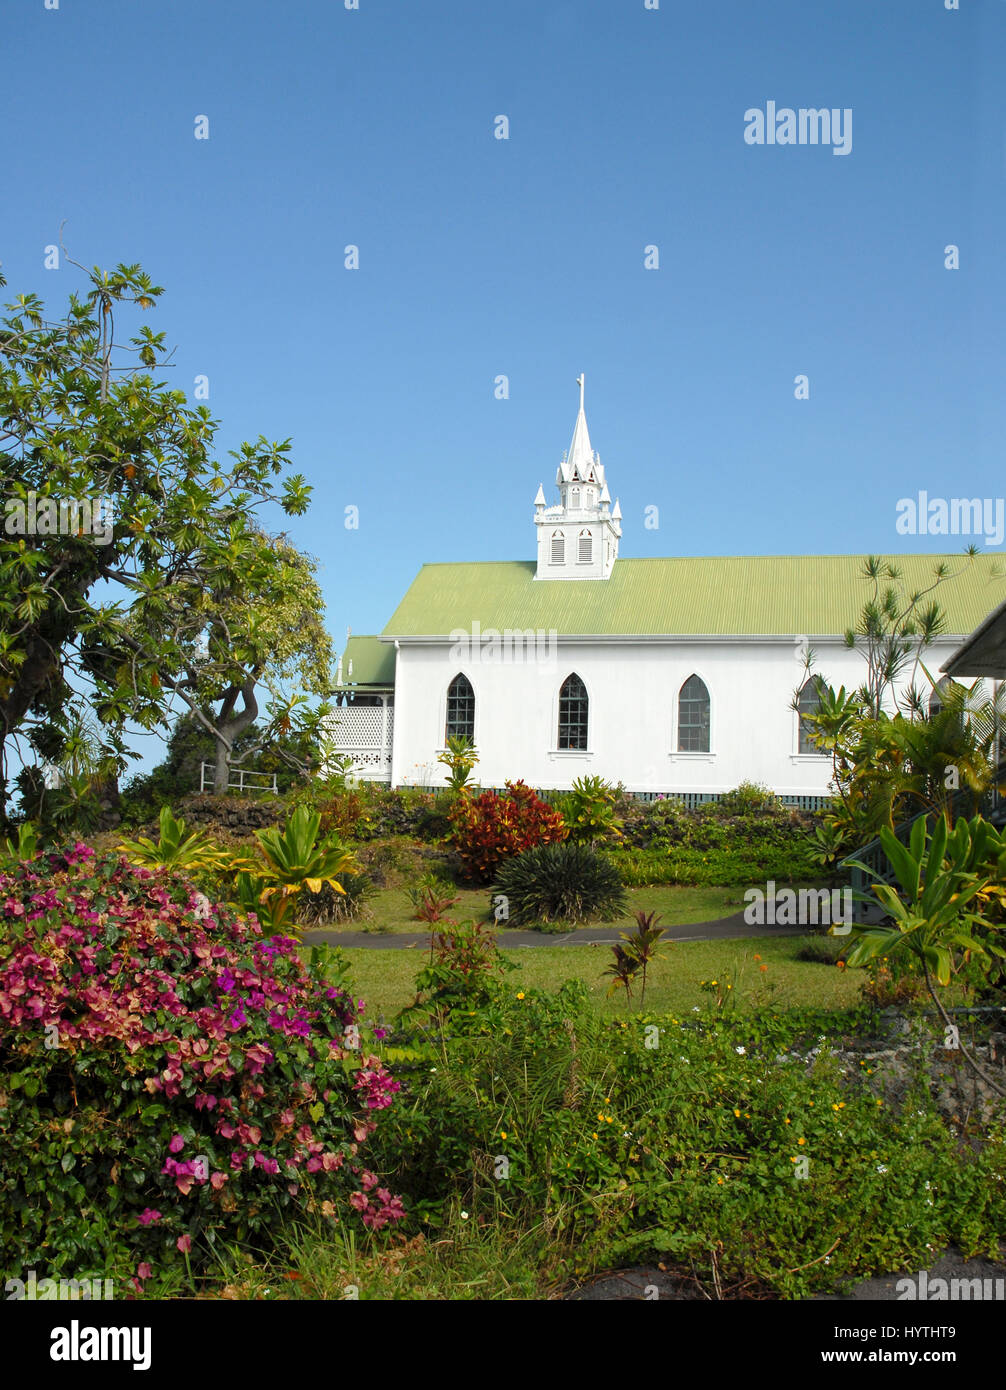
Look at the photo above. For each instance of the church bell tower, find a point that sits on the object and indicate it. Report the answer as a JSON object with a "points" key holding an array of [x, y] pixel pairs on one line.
{"points": [[578, 539]]}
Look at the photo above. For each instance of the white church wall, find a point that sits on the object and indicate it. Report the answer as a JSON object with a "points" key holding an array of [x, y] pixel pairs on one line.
{"points": [[632, 733]]}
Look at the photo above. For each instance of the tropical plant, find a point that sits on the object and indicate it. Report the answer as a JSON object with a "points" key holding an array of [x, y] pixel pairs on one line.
{"points": [[589, 812], [932, 910], [174, 849], [561, 882], [487, 829], [459, 757], [432, 897], [22, 848], [289, 862]]}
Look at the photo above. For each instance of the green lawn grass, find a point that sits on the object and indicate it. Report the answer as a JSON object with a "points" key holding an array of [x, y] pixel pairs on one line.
{"points": [[385, 979], [390, 910]]}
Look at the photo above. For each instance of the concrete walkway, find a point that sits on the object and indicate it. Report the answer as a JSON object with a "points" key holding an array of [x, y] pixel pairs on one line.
{"points": [[723, 929]]}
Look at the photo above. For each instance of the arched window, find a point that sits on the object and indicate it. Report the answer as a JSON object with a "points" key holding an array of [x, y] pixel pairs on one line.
{"points": [[460, 709], [574, 497], [809, 703], [693, 716], [585, 548], [573, 713], [558, 548]]}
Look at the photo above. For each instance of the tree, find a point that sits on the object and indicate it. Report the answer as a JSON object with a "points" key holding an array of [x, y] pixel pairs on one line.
{"points": [[96, 609]]}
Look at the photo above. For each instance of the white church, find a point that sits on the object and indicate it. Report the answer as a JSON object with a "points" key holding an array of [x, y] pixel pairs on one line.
{"points": [[672, 676]]}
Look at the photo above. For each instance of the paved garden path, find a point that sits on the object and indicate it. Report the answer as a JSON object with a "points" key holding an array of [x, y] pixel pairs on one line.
{"points": [[584, 936]]}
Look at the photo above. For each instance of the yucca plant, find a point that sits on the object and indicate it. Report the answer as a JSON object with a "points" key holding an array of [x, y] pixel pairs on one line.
{"points": [[288, 862], [560, 882], [174, 849]]}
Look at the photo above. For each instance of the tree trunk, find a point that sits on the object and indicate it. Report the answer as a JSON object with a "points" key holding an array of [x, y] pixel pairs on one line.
{"points": [[229, 725]]}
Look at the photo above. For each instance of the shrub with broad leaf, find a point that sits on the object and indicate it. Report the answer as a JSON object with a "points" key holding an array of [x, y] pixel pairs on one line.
{"points": [[487, 829]]}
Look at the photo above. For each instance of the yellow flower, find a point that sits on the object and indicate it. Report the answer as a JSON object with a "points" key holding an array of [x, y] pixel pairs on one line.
{"points": [[502, 1133], [737, 1113], [594, 1136], [785, 1122], [520, 994], [801, 1141]]}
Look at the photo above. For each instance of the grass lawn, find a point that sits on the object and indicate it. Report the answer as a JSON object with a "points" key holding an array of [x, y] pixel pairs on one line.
{"points": [[390, 910], [385, 978]]}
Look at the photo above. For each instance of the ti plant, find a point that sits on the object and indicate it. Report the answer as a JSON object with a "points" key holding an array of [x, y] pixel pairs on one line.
{"points": [[932, 908], [637, 955], [288, 862]]}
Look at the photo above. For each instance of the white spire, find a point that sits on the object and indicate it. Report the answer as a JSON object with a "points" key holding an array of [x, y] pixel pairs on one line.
{"points": [[539, 500], [580, 456]]}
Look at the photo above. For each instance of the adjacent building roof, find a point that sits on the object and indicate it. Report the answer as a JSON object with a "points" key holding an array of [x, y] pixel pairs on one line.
{"points": [[984, 653], [367, 662], [748, 595]]}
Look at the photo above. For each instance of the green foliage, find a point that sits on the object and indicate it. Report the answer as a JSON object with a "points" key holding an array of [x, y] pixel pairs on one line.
{"points": [[431, 897], [18, 850], [589, 812], [561, 882], [462, 974], [289, 862], [183, 596], [681, 1140], [932, 907], [749, 799], [174, 849], [459, 757]]}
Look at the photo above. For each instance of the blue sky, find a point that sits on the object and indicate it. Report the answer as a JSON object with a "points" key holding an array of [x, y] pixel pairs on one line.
{"points": [[525, 257]]}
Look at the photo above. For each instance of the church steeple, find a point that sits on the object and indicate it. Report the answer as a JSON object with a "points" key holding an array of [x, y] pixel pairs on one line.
{"points": [[578, 539]]}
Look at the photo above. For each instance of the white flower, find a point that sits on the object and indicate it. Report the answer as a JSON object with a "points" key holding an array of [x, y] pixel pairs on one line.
{"points": [[740, 1051], [696, 1009], [881, 1167], [464, 1216]]}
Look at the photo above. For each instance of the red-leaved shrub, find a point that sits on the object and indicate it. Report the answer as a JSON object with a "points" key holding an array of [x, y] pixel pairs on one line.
{"points": [[489, 828]]}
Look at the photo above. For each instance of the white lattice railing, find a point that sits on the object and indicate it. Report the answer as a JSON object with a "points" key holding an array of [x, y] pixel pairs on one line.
{"points": [[364, 733]]}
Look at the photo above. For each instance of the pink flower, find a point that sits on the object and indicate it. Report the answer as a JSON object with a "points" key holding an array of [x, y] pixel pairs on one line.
{"points": [[184, 1244], [177, 1144], [143, 1271], [146, 1217]]}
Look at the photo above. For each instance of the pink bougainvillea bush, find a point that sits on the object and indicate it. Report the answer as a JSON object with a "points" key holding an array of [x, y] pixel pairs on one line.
{"points": [[170, 1079]]}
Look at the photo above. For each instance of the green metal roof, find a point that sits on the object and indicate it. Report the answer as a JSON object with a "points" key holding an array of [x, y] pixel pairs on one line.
{"points": [[367, 661], [747, 595]]}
